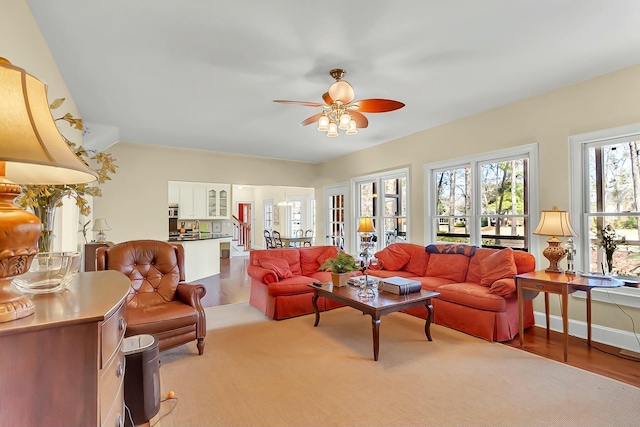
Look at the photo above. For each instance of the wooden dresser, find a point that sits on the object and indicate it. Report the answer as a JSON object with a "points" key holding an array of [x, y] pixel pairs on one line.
{"points": [[64, 365]]}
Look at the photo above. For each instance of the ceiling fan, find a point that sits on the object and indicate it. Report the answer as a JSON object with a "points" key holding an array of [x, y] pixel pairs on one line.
{"points": [[338, 112]]}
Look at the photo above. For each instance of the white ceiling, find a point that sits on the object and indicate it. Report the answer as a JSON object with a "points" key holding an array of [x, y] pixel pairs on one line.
{"points": [[203, 73]]}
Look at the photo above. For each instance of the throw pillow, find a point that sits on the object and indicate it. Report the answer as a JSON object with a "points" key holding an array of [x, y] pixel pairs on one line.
{"points": [[393, 258], [499, 265], [503, 287], [278, 265]]}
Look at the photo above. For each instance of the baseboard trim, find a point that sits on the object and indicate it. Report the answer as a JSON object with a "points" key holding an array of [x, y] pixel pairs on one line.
{"points": [[602, 334]]}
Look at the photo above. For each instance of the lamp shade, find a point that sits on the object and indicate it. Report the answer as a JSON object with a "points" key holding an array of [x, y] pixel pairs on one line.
{"points": [[554, 223], [31, 146], [366, 225], [101, 225]]}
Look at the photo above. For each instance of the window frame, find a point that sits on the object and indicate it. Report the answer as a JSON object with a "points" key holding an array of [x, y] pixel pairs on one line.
{"points": [[529, 151], [578, 211]]}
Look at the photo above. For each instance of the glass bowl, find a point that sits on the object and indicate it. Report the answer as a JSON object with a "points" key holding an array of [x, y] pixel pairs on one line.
{"points": [[49, 272]]}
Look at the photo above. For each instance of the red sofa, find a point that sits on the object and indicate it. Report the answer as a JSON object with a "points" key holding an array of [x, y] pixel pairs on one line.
{"points": [[279, 279], [476, 285]]}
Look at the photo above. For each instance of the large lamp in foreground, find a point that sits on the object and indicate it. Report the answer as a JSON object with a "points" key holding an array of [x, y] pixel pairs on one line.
{"points": [[32, 151], [554, 223]]}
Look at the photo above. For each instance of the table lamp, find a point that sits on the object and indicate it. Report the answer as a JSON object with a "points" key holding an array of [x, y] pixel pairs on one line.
{"points": [[554, 223], [100, 225], [365, 226], [32, 151]]}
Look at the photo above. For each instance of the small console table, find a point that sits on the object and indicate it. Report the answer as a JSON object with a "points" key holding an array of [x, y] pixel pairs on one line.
{"points": [[561, 284]]}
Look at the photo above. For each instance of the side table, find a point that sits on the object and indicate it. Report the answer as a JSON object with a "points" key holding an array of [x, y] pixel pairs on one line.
{"points": [[90, 254], [561, 284]]}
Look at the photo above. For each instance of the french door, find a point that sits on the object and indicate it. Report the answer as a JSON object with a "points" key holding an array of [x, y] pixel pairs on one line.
{"points": [[336, 212]]}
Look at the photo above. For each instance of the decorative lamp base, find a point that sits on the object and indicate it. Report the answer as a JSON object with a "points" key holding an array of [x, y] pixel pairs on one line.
{"points": [[19, 232], [554, 253], [101, 237]]}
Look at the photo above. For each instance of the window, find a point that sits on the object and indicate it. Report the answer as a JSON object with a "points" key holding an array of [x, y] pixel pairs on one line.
{"points": [[384, 198], [604, 191], [482, 200], [610, 202], [268, 214]]}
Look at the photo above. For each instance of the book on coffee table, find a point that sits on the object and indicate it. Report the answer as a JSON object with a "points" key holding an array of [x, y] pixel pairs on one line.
{"points": [[400, 285]]}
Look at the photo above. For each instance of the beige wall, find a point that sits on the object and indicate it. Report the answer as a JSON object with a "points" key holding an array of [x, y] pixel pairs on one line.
{"points": [[135, 201]]}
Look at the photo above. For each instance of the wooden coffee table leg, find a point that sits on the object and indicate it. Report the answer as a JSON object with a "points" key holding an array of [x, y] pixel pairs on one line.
{"points": [[427, 325], [314, 301], [375, 324]]}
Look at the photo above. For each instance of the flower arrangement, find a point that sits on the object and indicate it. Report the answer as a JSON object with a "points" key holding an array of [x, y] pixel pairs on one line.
{"points": [[44, 199], [609, 240]]}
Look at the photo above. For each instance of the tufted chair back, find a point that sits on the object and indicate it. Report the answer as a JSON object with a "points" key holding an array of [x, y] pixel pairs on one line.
{"points": [[159, 303], [154, 268]]}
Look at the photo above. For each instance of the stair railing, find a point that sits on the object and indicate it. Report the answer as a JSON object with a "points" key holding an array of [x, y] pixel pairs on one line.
{"points": [[242, 233]]}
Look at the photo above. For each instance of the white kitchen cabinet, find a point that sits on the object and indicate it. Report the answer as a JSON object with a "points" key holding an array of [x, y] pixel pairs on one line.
{"points": [[218, 201], [199, 200], [193, 202], [174, 193]]}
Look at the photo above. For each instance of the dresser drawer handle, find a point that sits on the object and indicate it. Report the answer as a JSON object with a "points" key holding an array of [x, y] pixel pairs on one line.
{"points": [[539, 286], [119, 370], [121, 324]]}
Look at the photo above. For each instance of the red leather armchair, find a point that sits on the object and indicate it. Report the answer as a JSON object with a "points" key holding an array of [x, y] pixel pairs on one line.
{"points": [[159, 303]]}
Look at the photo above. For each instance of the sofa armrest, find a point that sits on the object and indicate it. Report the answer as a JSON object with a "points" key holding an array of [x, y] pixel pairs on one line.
{"points": [[261, 274], [191, 294]]}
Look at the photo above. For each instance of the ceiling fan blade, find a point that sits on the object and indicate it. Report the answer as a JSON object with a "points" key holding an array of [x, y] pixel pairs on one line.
{"points": [[376, 105], [305, 103], [327, 98], [361, 120], [312, 119]]}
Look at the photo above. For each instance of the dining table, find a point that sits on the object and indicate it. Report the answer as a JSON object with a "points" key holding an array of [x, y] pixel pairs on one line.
{"points": [[296, 241]]}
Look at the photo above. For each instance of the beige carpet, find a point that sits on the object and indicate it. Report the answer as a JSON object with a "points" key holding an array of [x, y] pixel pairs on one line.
{"points": [[258, 372]]}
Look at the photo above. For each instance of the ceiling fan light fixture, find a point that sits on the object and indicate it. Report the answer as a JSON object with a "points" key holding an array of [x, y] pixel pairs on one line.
{"points": [[341, 91], [345, 118], [323, 123], [353, 129], [333, 130]]}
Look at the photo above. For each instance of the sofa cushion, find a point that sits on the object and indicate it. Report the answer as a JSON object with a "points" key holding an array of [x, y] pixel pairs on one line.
{"points": [[504, 287], [291, 286], [419, 258], [499, 265], [386, 273], [472, 295], [278, 265], [432, 283], [448, 266], [312, 257], [524, 261], [393, 258], [326, 254]]}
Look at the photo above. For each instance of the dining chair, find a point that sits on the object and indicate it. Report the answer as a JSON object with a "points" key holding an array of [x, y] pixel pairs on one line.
{"points": [[277, 239], [268, 240], [309, 234]]}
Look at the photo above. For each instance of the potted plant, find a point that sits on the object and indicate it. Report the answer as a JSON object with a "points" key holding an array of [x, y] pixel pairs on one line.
{"points": [[340, 266]]}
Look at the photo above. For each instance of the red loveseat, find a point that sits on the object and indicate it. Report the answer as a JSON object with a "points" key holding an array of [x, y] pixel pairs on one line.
{"points": [[476, 285], [280, 279]]}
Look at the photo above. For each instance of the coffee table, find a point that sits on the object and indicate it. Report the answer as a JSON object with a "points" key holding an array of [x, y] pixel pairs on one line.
{"points": [[377, 306]]}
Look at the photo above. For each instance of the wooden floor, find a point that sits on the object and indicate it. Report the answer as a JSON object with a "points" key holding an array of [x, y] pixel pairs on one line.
{"points": [[233, 286]]}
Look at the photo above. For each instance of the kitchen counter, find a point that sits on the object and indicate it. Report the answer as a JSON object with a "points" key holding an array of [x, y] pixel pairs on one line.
{"points": [[201, 255], [208, 236]]}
